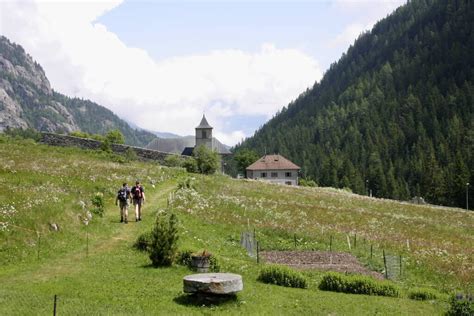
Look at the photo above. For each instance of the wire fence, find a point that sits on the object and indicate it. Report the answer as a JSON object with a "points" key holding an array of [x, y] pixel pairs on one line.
{"points": [[388, 263]]}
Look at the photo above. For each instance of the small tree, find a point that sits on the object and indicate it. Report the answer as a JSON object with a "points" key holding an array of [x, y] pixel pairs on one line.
{"points": [[115, 137], [208, 161], [191, 165], [245, 158], [164, 237]]}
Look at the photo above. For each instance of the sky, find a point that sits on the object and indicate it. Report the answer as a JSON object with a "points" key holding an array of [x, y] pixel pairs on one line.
{"points": [[162, 64]]}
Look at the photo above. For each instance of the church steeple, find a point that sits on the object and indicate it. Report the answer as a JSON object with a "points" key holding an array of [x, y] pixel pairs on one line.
{"points": [[204, 123], [204, 134]]}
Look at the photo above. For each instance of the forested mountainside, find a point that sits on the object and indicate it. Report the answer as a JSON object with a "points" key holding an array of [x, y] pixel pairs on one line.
{"points": [[27, 100], [395, 114]]}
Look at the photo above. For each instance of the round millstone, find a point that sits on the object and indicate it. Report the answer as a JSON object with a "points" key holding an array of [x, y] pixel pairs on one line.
{"points": [[213, 283]]}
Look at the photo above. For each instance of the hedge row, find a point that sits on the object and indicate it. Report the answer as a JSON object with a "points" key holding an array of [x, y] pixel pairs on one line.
{"points": [[357, 284], [281, 275]]}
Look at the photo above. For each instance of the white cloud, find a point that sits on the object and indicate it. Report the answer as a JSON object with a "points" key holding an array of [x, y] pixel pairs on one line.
{"points": [[364, 14], [82, 58]]}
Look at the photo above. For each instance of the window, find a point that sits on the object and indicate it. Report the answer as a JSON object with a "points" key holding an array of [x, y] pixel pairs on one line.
{"points": [[274, 174], [263, 174], [288, 183], [204, 134], [288, 174]]}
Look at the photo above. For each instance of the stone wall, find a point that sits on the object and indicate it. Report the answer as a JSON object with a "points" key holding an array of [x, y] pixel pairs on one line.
{"points": [[71, 141]]}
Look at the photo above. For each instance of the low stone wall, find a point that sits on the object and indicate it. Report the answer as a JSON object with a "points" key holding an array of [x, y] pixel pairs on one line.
{"points": [[71, 141]]}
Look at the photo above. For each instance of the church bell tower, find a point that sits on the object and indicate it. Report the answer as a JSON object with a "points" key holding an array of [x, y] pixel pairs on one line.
{"points": [[204, 134]]}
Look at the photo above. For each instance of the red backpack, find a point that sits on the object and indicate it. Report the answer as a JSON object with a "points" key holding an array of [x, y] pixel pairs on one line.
{"points": [[137, 193]]}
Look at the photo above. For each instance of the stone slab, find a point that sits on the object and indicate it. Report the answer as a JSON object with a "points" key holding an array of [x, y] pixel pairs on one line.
{"points": [[213, 283]]}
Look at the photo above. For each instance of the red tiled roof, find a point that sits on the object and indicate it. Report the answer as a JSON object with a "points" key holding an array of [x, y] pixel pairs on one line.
{"points": [[273, 162]]}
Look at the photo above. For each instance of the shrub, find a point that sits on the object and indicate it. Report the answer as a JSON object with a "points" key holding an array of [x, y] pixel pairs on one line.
{"points": [[184, 258], [130, 155], [98, 202], [214, 265], [307, 183], [186, 184], [164, 238], [174, 161], [207, 160], [191, 165], [115, 137], [422, 294], [281, 275], [357, 284], [27, 133], [143, 242], [461, 305]]}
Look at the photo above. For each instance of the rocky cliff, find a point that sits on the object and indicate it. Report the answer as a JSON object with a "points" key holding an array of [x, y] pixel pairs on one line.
{"points": [[27, 100]]}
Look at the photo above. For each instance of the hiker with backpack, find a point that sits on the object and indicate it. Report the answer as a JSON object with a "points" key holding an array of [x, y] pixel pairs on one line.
{"points": [[138, 197], [123, 195]]}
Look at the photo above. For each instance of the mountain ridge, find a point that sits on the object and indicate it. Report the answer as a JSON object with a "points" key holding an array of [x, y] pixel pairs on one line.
{"points": [[27, 100]]}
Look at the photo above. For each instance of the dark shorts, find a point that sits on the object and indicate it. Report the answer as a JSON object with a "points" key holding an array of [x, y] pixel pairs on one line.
{"points": [[138, 201], [123, 203]]}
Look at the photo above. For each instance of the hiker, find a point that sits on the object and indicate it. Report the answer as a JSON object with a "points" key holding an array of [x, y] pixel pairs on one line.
{"points": [[138, 196], [123, 195]]}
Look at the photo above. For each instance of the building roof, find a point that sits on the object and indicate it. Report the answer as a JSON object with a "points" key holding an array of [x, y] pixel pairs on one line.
{"points": [[204, 123], [273, 162], [187, 151]]}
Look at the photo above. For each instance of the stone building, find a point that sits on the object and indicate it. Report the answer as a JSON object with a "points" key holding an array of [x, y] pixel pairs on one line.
{"points": [[274, 168], [204, 137]]}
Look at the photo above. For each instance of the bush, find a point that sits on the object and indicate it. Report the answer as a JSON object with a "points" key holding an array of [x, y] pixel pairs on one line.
{"points": [[461, 305], [422, 294], [130, 155], [174, 161], [98, 202], [191, 165], [164, 238], [186, 184], [28, 133], [115, 137], [357, 284], [214, 265], [307, 183], [143, 242], [207, 160], [184, 258], [281, 275]]}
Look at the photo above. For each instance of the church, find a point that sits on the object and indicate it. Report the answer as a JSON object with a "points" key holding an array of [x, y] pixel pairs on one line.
{"points": [[204, 137]]}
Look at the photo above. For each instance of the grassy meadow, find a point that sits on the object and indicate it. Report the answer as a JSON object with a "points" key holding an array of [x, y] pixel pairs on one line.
{"points": [[94, 270]]}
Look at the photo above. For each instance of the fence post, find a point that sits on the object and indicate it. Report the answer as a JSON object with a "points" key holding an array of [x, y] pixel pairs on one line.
{"points": [[55, 303], [330, 243], [355, 240], [400, 265], [371, 250], [294, 237], [385, 263], [348, 242], [258, 254]]}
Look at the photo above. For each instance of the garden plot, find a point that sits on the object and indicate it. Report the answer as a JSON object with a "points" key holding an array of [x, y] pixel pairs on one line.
{"points": [[319, 260]]}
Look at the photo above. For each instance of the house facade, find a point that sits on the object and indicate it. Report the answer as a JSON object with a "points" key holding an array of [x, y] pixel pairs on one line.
{"points": [[275, 169]]}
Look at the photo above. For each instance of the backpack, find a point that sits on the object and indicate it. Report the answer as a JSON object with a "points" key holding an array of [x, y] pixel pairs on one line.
{"points": [[137, 192], [122, 194]]}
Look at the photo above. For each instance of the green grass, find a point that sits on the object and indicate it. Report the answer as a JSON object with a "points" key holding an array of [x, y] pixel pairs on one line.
{"points": [[48, 183]]}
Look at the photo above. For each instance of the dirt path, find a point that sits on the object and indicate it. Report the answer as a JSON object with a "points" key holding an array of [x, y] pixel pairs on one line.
{"points": [[75, 261]]}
